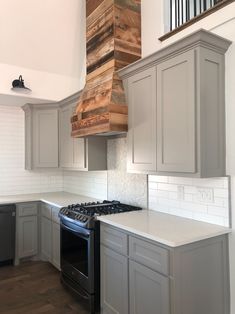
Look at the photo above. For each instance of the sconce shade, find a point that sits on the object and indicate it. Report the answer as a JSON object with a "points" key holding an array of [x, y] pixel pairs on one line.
{"points": [[18, 85]]}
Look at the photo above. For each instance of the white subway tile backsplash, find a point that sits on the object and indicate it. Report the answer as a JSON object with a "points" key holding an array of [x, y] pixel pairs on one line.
{"points": [[212, 207], [92, 184], [13, 178]]}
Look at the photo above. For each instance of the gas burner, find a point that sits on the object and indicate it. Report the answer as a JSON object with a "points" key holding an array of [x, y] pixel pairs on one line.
{"points": [[85, 214]]}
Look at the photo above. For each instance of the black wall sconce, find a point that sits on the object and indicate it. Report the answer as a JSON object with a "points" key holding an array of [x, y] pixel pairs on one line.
{"points": [[18, 86]]}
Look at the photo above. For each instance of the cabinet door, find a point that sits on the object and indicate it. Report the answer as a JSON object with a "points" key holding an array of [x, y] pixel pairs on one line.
{"points": [[176, 114], [142, 121], [79, 153], [28, 236], [149, 291], [56, 245], [114, 282], [66, 141], [46, 236], [46, 138]]}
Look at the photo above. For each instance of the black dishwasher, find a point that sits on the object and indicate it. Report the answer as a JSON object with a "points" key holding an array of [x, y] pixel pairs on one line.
{"points": [[7, 233]]}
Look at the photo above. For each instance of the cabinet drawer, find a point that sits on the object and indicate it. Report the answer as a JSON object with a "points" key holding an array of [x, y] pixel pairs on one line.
{"points": [[54, 214], [114, 239], [28, 209], [150, 255], [46, 210]]}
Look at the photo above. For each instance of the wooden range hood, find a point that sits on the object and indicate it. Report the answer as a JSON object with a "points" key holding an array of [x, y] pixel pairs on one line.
{"points": [[113, 34]]}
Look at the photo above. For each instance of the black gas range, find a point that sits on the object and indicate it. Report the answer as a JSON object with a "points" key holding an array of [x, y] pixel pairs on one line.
{"points": [[80, 248]]}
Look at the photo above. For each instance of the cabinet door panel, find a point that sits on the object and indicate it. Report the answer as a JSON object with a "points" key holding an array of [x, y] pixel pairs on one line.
{"points": [[176, 103], [66, 141], [114, 282], [79, 153], [46, 138], [142, 121], [28, 236], [46, 237], [56, 245], [149, 291]]}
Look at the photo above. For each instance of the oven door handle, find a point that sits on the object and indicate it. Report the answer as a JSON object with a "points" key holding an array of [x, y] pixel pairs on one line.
{"points": [[78, 231]]}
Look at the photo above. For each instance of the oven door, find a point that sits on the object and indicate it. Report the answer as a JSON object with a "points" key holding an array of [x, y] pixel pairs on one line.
{"points": [[77, 254]]}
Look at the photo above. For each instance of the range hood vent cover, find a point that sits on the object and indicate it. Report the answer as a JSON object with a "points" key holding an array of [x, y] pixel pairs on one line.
{"points": [[113, 41]]}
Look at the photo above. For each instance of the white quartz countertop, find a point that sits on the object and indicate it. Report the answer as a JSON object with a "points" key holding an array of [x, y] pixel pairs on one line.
{"points": [[59, 199], [167, 229]]}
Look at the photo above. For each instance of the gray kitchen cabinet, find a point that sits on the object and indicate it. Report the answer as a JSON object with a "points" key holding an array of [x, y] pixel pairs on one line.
{"points": [[142, 118], [41, 136], [176, 110], [46, 239], [50, 234], [84, 154], [28, 245], [114, 287], [149, 291], [188, 279], [56, 245], [26, 230], [176, 102]]}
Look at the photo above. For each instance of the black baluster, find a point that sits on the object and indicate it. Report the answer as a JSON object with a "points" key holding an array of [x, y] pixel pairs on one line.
{"points": [[178, 4], [195, 7], [176, 14], [171, 16], [182, 11]]}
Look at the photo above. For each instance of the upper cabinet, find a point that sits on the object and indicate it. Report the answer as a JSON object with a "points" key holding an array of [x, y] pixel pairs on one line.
{"points": [[41, 136], [142, 145], [48, 141], [177, 108], [84, 154]]}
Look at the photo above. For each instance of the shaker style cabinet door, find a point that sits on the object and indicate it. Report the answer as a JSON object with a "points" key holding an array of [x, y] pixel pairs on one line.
{"points": [[46, 148], [56, 245], [176, 114], [149, 291], [66, 141], [114, 282], [46, 237], [142, 121], [28, 236], [79, 153]]}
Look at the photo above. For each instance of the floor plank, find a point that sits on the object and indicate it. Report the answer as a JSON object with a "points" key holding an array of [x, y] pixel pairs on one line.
{"points": [[34, 288]]}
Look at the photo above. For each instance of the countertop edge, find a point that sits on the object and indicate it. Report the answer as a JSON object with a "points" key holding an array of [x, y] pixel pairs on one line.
{"points": [[162, 240]]}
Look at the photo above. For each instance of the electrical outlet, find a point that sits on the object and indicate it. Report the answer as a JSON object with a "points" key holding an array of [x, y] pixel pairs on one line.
{"points": [[205, 195], [180, 192]]}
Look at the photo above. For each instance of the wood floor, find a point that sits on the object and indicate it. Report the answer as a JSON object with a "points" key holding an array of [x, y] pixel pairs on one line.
{"points": [[34, 287]]}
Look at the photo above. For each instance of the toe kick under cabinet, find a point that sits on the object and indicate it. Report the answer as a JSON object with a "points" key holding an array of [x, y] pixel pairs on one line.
{"points": [[176, 105], [140, 276]]}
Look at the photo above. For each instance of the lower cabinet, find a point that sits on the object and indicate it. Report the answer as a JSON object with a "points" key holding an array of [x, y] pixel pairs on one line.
{"points": [[56, 245], [149, 291], [26, 230], [114, 284], [28, 236], [46, 235], [140, 276], [50, 235]]}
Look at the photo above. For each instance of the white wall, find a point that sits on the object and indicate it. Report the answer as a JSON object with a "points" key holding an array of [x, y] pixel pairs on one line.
{"points": [[13, 178], [222, 23], [45, 42]]}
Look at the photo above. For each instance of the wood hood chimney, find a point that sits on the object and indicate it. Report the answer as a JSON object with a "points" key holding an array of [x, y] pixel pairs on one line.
{"points": [[113, 32]]}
